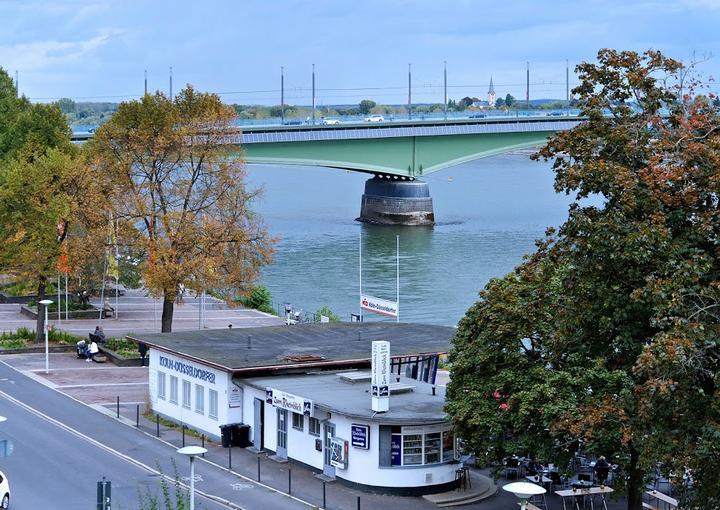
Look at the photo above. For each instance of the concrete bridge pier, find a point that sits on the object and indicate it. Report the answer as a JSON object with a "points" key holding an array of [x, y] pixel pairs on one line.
{"points": [[388, 201]]}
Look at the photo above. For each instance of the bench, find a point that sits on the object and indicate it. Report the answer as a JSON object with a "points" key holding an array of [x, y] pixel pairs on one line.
{"points": [[658, 497], [648, 506]]}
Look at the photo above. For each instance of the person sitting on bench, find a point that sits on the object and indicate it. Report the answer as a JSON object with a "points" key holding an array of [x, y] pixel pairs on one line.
{"points": [[92, 351], [98, 335]]}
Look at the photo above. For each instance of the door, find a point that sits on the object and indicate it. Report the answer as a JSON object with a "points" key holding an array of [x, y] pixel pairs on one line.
{"points": [[282, 419], [328, 432], [258, 424]]}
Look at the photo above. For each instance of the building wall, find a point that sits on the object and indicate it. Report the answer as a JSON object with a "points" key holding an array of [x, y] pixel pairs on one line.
{"points": [[363, 466], [198, 375]]}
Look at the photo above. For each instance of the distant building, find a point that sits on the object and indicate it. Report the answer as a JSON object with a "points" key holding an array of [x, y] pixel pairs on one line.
{"points": [[491, 95]]}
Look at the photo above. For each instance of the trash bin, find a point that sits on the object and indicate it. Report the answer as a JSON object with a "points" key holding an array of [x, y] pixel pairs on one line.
{"points": [[241, 435], [225, 435]]}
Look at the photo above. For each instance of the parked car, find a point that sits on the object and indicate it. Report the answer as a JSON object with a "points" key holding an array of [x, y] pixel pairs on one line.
{"points": [[478, 115], [375, 117], [330, 122], [4, 491]]}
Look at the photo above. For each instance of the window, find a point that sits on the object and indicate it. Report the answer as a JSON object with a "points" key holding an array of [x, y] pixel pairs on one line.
{"points": [[412, 449], [212, 410], [199, 399], [314, 426], [432, 448], [298, 421], [448, 444], [161, 385], [173, 389], [186, 394]]}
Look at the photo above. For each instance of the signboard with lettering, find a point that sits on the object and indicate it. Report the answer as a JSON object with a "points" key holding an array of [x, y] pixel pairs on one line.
{"points": [[380, 376], [379, 306], [360, 436], [395, 450], [288, 401], [338, 452], [235, 398], [187, 369]]}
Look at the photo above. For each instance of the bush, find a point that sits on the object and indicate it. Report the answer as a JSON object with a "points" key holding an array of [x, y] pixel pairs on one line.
{"points": [[20, 338], [73, 306], [325, 310], [259, 299], [125, 348]]}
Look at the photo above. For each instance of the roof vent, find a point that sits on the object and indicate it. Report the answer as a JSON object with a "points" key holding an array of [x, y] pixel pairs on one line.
{"points": [[303, 358]]}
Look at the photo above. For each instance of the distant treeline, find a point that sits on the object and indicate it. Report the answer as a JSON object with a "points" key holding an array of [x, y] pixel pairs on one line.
{"points": [[94, 113]]}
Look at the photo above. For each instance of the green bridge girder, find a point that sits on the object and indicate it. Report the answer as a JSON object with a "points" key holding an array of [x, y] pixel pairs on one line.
{"points": [[412, 156]]}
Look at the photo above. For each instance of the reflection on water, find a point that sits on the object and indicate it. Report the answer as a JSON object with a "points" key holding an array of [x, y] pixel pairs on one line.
{"points": [[489, 214]]}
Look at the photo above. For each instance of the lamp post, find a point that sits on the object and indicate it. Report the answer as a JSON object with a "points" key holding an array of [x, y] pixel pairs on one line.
{"points": [[192, 452], [46, 303], [524, 491]]}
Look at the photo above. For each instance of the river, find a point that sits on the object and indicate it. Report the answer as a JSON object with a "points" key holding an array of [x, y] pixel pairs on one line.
{"points": [[489, 212]]}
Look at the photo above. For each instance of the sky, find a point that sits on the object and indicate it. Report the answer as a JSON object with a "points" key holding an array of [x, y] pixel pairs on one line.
{"points": [[98, 50]]}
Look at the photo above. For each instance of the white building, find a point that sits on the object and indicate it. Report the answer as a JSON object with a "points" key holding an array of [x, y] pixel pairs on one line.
{"points": [[303, 393]]}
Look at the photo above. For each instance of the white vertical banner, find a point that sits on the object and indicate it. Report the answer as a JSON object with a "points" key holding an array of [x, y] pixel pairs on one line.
{"points": [[380, 376]]}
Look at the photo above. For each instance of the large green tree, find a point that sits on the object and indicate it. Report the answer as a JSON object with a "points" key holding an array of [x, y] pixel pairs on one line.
{"points": [[607, 336]]}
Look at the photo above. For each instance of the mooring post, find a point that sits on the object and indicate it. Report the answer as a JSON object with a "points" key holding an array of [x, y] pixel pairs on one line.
{"points": [[230, 457], [183, 434], [258, 462], [118, 407], [157, 425], [289, 481], [358, 503], [203, 443], [324, 502]]}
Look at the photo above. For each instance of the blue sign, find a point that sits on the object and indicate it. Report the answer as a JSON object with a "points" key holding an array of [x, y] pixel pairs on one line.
{"points": [[360, 436], [395, 446]]}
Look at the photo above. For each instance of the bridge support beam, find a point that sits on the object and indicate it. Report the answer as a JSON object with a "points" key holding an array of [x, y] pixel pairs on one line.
{"points": [[396, 202]]}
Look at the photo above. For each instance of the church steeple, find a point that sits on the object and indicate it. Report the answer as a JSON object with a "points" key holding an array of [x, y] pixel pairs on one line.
{"points": [[491, 94]]}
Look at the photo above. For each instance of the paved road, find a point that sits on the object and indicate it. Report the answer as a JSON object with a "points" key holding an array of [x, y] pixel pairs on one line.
{"points": [[63, 447]]}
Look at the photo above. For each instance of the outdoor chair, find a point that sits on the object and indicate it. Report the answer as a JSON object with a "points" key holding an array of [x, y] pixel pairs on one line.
{"points": [[512, 466]]}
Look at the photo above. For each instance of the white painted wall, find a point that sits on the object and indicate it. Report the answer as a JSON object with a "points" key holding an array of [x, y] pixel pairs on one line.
{"points": [[194, 420], [363, 465]]}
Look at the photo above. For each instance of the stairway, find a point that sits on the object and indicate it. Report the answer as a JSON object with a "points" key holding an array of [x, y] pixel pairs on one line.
{"points": [[482, 488]]}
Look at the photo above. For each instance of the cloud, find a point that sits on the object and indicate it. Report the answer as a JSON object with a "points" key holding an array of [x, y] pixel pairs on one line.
{"points": [[51, 54]]}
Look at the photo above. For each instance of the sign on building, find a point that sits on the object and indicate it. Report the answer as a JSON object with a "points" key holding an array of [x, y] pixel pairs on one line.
{"points": [[360, 436], [380, 306], [235, 398], [380, 376], [288, 401], [338, 452]]}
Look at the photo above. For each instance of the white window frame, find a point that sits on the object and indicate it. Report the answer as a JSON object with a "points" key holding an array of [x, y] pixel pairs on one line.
{"points": [[186, 394], [161, 385], [300, 418], [173, 389], [423, 432], [212, 404], [310, 427], [200, 399]]}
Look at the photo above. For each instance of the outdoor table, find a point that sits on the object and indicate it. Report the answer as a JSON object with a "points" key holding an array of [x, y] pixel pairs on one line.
{"points": [[584, 495]]}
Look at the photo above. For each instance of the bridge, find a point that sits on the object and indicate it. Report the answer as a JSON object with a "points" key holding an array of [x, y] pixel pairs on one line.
{"points": [[395, 153]]}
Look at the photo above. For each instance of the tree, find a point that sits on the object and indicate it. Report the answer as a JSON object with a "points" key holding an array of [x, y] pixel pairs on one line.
{"points": [[499, 102], [608, 334], [325, 310], [67, 105], [177, 189], [509, 100], [465, 102], [366, 105], [259, 299]]}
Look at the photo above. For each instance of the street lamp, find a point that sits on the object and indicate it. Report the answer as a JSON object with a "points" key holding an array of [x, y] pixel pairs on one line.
{"points": [[524, 491], [192, 452], [46, 303]]}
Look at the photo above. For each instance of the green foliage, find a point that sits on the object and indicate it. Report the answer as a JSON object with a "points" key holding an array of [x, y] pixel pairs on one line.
{"points": [[325, 310], [72, 305], [608, 332], [170, 498], [366, 105], [509, 100], [124, 347], [20, 337], [259, 299]]}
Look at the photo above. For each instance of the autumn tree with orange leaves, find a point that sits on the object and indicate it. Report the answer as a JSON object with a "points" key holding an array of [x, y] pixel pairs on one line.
{"points": [[606, 338], [180, 196]]}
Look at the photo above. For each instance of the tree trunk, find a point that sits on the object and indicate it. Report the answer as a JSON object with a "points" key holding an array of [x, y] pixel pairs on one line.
{"points": [[634, 482], [40, 322], [167, 315]]}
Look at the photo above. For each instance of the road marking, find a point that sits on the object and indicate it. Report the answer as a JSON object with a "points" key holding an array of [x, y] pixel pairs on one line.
{"points": [[127, 458], [239, 486]]}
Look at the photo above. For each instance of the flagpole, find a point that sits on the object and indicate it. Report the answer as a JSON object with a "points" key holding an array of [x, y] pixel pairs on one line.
{"points": [[360, 266], [397, 277]]}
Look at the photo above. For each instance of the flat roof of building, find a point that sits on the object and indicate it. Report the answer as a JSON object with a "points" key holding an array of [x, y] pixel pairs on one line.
{"points": [[307, 345], [332, 394]]}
